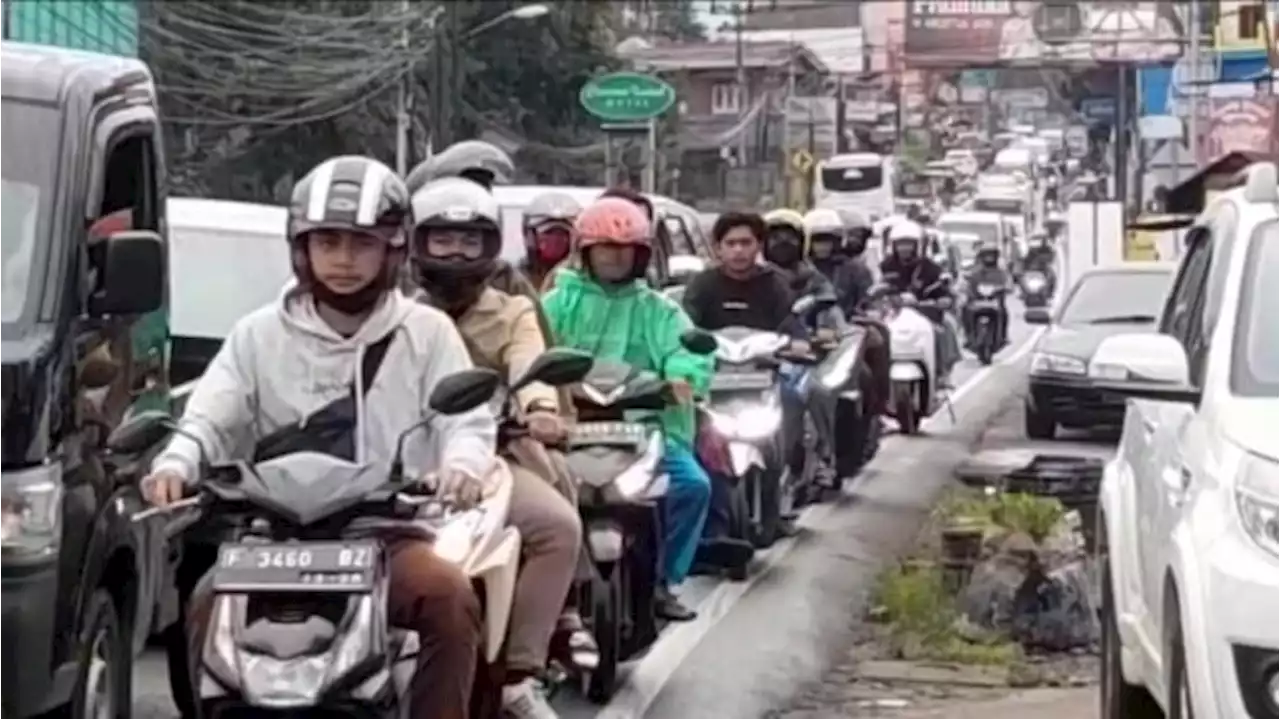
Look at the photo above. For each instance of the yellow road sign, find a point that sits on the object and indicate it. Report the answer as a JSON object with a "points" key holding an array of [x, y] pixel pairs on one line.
{"points": [[802, 161]]}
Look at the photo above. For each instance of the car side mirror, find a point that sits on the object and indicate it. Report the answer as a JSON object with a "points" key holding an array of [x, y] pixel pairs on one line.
{"points": [[133, 275], [464, 391], [1144, 365], [1036, 316], [557, 366], [140, 432], [698, 341]]}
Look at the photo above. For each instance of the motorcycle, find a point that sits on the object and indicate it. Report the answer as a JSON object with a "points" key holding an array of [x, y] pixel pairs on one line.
{"points": [[913, 371], [1035, 289], [616, 462], [745, 408], [985, 311], [299, 618]]}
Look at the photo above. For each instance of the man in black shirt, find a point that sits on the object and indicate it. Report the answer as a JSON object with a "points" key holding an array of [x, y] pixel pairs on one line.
{"points": [[741, 291]]}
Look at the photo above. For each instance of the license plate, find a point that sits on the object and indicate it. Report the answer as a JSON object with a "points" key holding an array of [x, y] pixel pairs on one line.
{"points": [[732, 381], [627, 433], [308, 566]]}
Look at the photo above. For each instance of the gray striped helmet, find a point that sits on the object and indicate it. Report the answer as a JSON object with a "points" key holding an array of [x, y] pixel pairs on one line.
{"points": [[551, 206], [350, 192]]}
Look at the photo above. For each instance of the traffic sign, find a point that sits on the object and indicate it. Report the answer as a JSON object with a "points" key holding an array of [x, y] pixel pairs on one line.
{"points": [[626, 97], [802, 161]]}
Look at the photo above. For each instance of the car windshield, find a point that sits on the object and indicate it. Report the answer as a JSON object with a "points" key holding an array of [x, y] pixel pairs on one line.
{"points": [[1116, 297], [985, 232], [28, 174], [852, 179], [1255, 358]]}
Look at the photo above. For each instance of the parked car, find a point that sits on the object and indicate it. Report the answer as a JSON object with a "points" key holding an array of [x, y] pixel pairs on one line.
{"points": [[1105, 301], [1188, 506]]}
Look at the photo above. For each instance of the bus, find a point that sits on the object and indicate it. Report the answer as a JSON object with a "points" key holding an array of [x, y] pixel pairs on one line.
{"points": [[861, 181]]}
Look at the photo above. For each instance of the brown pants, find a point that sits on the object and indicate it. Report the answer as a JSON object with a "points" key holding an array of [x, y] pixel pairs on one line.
{"points": [[551, 533], [428, 595]]}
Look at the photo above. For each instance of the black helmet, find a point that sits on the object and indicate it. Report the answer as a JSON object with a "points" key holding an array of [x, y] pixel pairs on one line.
{"points": [[455, 203], [476, 160]]}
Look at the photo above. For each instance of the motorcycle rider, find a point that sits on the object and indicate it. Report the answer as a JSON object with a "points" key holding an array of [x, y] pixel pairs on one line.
{"points": [[456, 240], [825, 239], [784, 248], [907, 270], [987, 270], [290, 360], [548, 234], [481, 162], [741, 291], [857, 232], [605, 307]]}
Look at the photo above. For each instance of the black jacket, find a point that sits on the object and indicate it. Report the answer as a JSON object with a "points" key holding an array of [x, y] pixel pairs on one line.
{"points": [[987, 275], [762, 301], [924, 279], [804, 280], [849, 277]]}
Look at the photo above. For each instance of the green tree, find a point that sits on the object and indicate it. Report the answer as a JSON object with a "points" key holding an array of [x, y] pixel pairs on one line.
{"points": [[678, 20]]}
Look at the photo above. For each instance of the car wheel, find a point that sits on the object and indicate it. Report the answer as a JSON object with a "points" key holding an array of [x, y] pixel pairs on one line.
{"points": [[1038, 425], [105, 678], [1120, 700], [1179, 697]]}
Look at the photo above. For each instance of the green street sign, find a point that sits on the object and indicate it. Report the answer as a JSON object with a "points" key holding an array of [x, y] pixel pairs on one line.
{"points": [[626, 97]]}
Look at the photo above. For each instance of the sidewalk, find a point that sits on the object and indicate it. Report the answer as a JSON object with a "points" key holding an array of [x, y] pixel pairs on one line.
{"points": [[1035, 703]]}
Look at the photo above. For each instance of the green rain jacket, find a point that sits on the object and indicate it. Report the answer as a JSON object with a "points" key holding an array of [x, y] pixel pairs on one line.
{"points": [[630, 323]]}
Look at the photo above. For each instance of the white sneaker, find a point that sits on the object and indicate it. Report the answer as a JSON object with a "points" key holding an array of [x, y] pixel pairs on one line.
{"points": [[526, 701]]}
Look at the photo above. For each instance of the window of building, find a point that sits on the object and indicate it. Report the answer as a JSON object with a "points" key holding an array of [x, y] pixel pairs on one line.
{"points": [[1252, 18], [726, 99]]}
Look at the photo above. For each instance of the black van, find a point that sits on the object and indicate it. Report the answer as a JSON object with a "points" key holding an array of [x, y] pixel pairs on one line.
{"points": [[80, 580]]}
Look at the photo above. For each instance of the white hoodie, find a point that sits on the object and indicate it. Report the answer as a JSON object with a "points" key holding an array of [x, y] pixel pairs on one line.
{"points": [[282, 363]]}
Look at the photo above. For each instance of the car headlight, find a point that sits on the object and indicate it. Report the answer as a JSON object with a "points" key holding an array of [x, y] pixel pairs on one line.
{"points": [[1257, 494], [1045, 363], [751, 423], [31, 511], [635, 478]]}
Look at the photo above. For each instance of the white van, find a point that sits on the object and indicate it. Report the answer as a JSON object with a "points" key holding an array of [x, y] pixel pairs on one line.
{"points": [[226, 259]]}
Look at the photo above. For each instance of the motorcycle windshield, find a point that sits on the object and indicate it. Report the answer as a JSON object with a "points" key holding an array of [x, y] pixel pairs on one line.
{"points": [[307, 487], [739, 345]]}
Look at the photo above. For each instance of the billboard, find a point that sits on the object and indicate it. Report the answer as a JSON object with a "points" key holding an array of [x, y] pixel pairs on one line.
{"points": [[1041, 32]]}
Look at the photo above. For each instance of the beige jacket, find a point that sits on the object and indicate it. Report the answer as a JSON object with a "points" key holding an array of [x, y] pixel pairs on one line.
{"points": [[503, 334]]}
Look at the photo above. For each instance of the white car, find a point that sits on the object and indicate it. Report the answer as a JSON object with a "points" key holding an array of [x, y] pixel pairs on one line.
{"points": [[1188, 507]]}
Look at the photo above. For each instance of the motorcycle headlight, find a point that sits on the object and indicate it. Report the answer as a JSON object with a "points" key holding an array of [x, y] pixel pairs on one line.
{"points": [[1257, 494], [1033, 283], [632, 481], [31, 511], [751, 423], [1043, 363]]}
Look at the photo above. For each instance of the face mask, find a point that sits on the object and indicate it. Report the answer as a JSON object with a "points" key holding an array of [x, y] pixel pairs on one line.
{"points": [[552, 247]]}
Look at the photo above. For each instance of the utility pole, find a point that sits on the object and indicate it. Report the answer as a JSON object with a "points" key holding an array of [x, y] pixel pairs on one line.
{"points": [[404, 97], [741, 78], [1193, 61], [785, 143]]}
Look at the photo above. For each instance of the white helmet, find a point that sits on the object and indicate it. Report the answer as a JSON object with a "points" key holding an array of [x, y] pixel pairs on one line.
{"points": [[823, 221], [906, 230]]}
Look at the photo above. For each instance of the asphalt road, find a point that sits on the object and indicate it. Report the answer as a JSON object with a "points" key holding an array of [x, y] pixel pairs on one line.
{"points": [[756, 643]]}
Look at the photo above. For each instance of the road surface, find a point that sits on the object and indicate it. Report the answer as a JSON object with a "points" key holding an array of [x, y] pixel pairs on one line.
{"points": [[758, 642]]}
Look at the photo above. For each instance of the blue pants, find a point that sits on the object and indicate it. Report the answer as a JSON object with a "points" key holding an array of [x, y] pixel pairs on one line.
{"points": [[685, 510]]}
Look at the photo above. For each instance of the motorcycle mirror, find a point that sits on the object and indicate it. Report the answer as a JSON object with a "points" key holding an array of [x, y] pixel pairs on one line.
{"points": [[145, 430], [698, 342], [464, 391], [140, 432], [557, 366]]}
